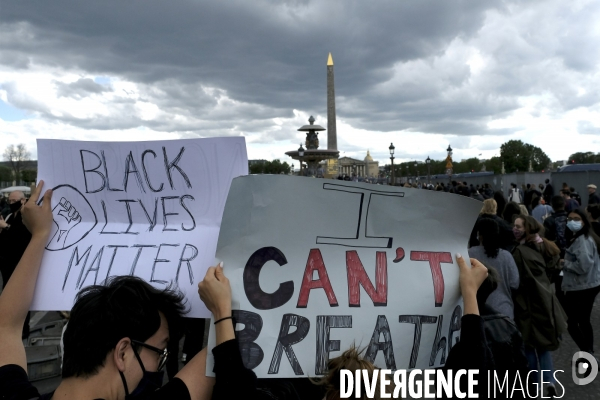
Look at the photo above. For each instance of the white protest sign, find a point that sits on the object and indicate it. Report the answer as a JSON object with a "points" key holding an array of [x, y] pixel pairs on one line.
{"points": [[150, 209], [318, 265]]}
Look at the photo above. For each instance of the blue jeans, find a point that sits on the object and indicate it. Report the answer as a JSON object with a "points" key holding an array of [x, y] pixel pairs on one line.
{"points": [[540, 360]]}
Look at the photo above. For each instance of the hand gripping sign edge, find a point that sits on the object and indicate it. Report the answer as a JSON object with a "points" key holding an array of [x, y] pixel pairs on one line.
{"points": [[68, 217]]}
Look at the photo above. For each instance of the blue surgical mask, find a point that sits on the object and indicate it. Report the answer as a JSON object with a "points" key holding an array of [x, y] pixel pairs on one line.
{"points": [[574, 226]]}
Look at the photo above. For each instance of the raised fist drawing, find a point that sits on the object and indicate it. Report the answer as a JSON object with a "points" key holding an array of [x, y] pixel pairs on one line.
{"points": [[71, 223], [66, 218]]}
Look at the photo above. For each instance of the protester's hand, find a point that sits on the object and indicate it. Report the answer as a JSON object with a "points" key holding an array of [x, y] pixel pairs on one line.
{"points": [[38, 219], [3, 223], [471, 276], [215, 292]]}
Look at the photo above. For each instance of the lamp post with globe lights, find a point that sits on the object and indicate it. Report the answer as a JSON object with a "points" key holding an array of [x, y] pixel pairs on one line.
{"points": [[416, 172], [428, 162], [300, 156]]}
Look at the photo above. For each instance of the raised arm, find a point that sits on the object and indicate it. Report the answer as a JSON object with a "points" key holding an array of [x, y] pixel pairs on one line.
{"points": [[215, 292], [17, 295], [471, 277]]}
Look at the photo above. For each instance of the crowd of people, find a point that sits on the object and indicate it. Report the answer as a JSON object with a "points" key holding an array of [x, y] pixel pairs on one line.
{"points": [[533, 274]]}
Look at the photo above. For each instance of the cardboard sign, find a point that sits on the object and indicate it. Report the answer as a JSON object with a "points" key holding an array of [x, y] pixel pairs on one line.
{"points": [[319, 265], [149, 209]]}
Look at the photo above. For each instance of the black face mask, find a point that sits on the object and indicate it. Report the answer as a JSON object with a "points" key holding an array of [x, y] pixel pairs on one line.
{"points": [[14, 207], [150, 382]]}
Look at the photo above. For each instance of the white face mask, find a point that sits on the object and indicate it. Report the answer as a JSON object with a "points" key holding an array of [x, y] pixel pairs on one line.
{"points": [[574, 226]]}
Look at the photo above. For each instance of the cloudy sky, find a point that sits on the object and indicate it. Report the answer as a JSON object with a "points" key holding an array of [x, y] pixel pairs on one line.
{"points": [[422, 74]]}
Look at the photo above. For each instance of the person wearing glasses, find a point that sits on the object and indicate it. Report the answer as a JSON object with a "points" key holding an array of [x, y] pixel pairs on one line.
{"points": [[116, 339], [581, 280]]}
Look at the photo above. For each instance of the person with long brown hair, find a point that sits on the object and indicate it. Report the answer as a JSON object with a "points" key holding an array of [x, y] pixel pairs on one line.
{"points": [[538, 313], [581, 280]]}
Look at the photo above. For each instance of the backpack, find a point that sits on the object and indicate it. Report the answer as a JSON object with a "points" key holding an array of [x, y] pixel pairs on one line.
{"points": [[505, 342], [561, 229]]}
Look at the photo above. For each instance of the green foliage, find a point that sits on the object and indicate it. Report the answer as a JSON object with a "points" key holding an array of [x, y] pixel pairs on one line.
{"points": [[494, 164], [5, 174], [437, 167], [516, 156], [584, 158], [270, 167], [29, 175]]}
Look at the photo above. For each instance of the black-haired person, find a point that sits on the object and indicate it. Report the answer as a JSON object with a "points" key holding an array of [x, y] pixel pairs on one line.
{"points": [[570, 203], [511, 210], [575, 195], [472, 351], [548, 192], [491, 255], [501, 203], [501, 332], [540, 210], [593, 211], [538, 313], [14, 236], [581, 278], [114, 344], [555, 226]]}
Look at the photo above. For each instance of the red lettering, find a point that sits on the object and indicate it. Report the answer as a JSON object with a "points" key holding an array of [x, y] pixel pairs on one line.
{"points": [[357, 275], [435, 260], [399, 255], [315, 263]]}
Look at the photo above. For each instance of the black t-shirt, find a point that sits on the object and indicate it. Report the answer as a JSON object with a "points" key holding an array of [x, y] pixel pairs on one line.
{"points": [[15, 385]]}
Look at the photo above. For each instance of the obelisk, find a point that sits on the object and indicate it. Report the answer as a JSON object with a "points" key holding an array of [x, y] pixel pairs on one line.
{"points": [[331, 130]]}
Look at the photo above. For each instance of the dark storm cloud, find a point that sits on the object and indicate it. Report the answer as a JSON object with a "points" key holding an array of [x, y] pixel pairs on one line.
{"points": [[261, 52], [234, 65]]}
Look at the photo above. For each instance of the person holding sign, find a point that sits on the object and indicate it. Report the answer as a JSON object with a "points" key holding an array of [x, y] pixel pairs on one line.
{"points": [[233, 380], [115, 343]]}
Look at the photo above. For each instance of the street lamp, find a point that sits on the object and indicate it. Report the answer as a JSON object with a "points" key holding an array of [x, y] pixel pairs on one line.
{"points": [[300, 156], [416, 172], [392, 148], [428, 162]]}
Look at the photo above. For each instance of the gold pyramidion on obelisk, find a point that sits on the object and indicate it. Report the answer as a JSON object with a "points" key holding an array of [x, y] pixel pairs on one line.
{"points": [[330, 60]]}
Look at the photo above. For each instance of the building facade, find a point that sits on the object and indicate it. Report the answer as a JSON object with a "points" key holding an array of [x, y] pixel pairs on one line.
{"points": [[362, 168]]}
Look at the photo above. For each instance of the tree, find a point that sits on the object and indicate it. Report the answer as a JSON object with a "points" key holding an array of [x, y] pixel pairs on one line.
{"points": [[5, 174], [270, 167], [494, 164], [16, 156], [517, 155], [584, 158], [29, 175]]}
